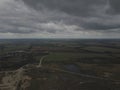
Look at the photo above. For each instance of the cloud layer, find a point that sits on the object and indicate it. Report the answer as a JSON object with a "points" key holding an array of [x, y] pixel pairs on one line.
{"points": [[60, 18]]}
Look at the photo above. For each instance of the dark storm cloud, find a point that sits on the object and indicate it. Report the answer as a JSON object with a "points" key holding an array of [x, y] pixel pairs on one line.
{"points": [[73, 7], [60, 17], [114, 7], [101, 9], [99, 26]]}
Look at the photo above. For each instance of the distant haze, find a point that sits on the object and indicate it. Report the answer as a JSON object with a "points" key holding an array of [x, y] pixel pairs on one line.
{"points": [[59, 19]]}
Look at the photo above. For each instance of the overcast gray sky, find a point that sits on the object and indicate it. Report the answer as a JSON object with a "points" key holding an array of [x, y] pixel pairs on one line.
{"points": [[59, 18]]}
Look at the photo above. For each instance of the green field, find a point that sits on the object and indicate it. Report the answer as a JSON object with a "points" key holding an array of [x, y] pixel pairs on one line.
{"points": [[69, 56], [102, 49]]}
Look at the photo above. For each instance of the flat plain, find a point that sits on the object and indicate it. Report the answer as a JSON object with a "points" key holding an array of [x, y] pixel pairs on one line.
{"points": [[60, 64]]}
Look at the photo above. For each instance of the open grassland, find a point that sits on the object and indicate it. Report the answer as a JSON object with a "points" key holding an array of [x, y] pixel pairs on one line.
{"points": [[102, 49], [69, 56], [60, 64]]}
